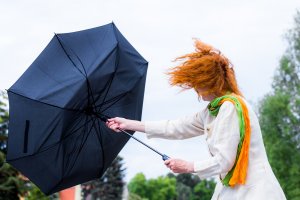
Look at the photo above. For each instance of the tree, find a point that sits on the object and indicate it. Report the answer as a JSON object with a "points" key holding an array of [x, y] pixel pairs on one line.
{"points": [[138, 185], [185, 185], [184, 192], [109, 186], [189, 180], [204, 190], [3, 121], [36, 193], [11, 186], [171, 186], [161, 188], [279, 115], [133, 196], [189, 186]]}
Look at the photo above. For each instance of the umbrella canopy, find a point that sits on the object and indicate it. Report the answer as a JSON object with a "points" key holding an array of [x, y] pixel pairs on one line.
{"points": [[56, 136]]}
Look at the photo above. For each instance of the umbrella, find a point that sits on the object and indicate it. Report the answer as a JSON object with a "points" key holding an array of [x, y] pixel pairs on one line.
{"points": [[56, 134]]}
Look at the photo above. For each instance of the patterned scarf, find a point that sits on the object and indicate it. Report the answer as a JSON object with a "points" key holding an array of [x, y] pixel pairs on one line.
{"points": [[238, 173]]}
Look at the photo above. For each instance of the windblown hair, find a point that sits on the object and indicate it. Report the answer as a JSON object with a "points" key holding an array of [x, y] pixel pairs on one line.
{"points": [[206, 68]]}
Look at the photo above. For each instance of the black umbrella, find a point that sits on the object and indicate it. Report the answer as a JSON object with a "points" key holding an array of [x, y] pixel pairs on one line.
{"points": [[56, 136]]}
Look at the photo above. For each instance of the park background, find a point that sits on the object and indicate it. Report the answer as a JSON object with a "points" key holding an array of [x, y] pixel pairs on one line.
{"points": [[250, 33]]}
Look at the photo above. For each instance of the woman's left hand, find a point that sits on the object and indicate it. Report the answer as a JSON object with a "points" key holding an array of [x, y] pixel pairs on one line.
{"points": [[180, 166]]}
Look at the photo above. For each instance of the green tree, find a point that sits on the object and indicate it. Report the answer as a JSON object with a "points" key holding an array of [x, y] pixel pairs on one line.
{"points": [[185, 185], [279, 115], [138, 185], [11, 186], [3, 121], [132, 196], [161, 188], [33, 193], [189, 186], [204, 190], [109, 186], [189, 180], [184, 192]]}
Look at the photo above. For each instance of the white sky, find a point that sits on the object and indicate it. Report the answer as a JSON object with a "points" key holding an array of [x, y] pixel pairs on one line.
{"points": [[249, 33]]}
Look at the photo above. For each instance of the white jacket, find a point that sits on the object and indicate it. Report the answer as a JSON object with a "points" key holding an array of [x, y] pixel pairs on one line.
{"points": [[222, 136]]}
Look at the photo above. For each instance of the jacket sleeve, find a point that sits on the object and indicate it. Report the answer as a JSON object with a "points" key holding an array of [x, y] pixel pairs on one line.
{"points": [[186, 127], [225, 138]]}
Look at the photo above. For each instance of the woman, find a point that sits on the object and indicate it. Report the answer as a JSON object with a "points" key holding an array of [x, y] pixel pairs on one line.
{"points": [[232, 130]]}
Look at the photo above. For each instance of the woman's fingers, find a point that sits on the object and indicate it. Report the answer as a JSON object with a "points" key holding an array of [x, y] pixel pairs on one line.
{"points": [[167, 162], [180, 166], [171, 164], [112, 124], [115, 119], [115, 127], [117, 123]]}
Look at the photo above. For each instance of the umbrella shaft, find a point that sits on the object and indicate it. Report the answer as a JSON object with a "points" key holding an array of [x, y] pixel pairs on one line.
{"points": [[141, 142], [105, 118]]}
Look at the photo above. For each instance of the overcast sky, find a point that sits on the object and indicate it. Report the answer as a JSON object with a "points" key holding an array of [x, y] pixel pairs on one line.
{"points": [[249, 33]]}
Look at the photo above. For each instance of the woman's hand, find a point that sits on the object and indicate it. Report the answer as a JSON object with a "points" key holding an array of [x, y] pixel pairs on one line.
{"points": [[180, 166], [117, 123]]}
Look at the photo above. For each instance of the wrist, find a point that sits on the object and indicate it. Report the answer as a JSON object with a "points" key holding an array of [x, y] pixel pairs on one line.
{"points": [[130, 125], [135, 125], [191, 167]]}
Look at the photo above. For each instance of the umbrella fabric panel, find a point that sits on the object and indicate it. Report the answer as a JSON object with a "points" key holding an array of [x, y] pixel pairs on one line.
{"points": [[123, 42], [51, 78], [38, 127], [70, 162], [91, 46], [54, 149]]}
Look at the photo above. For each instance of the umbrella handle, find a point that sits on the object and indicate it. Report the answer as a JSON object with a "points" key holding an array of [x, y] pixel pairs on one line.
{"points": [[165, 157]]}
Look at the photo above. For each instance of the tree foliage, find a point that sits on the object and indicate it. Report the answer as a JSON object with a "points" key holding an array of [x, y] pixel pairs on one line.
{"points": [[184, 192], [279, 115], [133, 196], [204, 190], [189, 180], [179, 187], [11, 185], [3, 121], [109, 186], [161, 188]]}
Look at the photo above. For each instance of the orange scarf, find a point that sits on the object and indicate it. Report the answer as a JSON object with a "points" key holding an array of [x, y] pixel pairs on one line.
{"points": [[238, 173]]}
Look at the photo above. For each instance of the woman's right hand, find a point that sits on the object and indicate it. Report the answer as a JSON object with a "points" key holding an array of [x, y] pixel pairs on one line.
{"points": [[117, 123]]}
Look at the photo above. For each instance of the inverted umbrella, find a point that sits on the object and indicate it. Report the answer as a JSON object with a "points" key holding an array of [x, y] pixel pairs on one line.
{"points": [[56, 136]]}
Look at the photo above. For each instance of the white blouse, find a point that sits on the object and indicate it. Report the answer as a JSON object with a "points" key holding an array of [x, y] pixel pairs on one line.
{"points": [[222, 136]]}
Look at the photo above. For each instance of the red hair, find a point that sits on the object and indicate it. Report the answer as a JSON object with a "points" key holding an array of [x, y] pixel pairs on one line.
{"points": [[206, 68]]}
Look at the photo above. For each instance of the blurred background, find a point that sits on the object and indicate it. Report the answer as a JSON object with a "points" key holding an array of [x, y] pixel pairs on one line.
{"points": [[260, 37]]}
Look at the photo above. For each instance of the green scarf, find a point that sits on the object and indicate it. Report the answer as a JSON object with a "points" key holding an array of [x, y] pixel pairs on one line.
{"points": [[237, 175]]}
